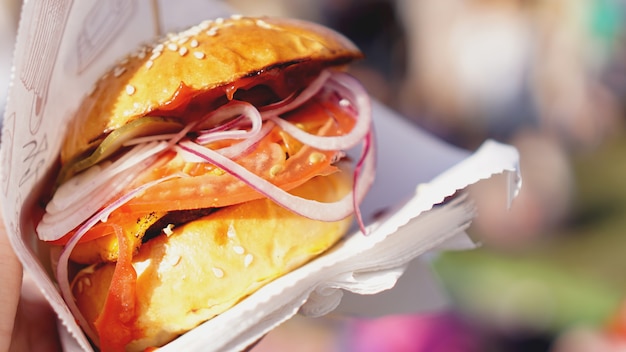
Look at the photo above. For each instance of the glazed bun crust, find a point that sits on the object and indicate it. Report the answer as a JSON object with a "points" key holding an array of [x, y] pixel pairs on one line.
{"points": [[208, 265], [214, 54]]}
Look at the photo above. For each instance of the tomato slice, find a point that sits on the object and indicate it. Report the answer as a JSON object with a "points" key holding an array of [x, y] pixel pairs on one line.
{"points": [[116, 322], [121, 217]]}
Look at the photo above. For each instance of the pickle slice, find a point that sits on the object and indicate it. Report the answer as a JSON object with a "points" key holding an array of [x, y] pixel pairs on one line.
{"points": [[143, 126]]}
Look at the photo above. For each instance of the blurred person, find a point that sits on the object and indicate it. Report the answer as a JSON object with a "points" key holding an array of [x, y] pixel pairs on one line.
{"points": [[467, 68], [570, 56], [468, 80], [524, 73], [484, 68]]}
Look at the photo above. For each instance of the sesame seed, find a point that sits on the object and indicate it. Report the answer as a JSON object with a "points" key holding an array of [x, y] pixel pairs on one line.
{"points": [[212, 32], [118, 71], [172, 46], [219, 20], [155, 54], [344, 102], [124, 61], [316, 157], [199, 55], [263, 24], [236, 16], [149, 63], [239, 249], [87, 281], [219, 273], [196, 29], [183, 51], [183, 40], [194, 43], [247, 260], [130, 89], [159, 47], [231, 231], [205, 24], [167, 230]]}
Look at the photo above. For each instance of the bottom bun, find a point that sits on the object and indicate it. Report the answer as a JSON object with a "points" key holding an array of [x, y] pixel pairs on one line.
{"points": [[208, 265]]}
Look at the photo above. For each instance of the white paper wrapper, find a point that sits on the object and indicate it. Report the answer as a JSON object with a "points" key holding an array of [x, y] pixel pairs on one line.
{"points": [[63, 46]]}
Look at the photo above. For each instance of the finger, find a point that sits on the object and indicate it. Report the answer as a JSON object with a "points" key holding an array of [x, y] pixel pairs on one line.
{"points": [[36, 327], [11, 279]]}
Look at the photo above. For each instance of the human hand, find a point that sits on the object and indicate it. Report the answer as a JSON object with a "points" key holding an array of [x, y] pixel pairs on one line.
{"points": [[27, 322]]}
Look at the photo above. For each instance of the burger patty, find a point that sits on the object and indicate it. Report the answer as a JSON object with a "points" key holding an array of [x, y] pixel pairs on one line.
{"points": [[173, 219]]}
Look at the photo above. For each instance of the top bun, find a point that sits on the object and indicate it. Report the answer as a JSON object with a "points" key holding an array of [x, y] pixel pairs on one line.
{"points": [[207, 56]]}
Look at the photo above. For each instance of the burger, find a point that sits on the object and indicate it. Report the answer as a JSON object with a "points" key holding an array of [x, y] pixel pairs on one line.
{"points": [[201, 167]]}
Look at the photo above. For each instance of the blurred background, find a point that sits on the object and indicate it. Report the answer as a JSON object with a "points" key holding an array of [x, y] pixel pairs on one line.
{"points": [[548, 77]]}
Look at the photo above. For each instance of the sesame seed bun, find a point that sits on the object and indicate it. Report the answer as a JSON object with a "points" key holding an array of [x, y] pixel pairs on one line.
{"points": [[214, 54]]}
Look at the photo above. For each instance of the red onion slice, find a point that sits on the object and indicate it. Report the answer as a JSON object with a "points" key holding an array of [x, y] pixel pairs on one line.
{"points": [[248, 144], [85, 193], [73, 190], [364, 172], [234, 108], [234, 151], [351, 90]]}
